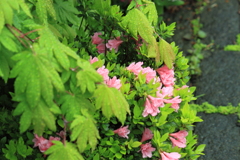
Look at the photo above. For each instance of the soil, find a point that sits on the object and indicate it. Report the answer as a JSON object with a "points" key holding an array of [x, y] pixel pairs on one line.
{"points": [[220, 78]]}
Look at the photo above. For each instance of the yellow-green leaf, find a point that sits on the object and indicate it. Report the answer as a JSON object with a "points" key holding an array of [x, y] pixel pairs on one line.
{"points": [[166, 53], [112, 102]]}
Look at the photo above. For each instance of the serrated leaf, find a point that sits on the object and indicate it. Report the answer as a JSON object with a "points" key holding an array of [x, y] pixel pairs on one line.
{"points": [[4, 67], [87, 77], [60, 151], [8, 40], [33, 83], [166, 53], [57, 49], [50, 8], [102, 6], [85, 131], [141, 27], [66, 12], [112, 102], [42, 116], [72, 105], [2, 20], [151, 12], [42, 8], [25, 120], [7, 11], [25, 8]]}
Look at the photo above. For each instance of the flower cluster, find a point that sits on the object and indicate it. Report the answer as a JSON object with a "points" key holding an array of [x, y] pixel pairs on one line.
{"points": [[164, 94], [147, 148], [114, 82], [101, 46], [42, 143]]}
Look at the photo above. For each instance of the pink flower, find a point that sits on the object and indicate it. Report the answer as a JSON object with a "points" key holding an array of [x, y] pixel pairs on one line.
{"points": [[103, 72], [150, 73], [122, 132], [114, 82], [179, 138], [170, 156], [114, 44], [175, 102], [166, 75], [166, 91], [147, 150], [147, 135], [92, 60], [135, 68], [101, 48], [152, 105], [96, 39], [42, 143]]}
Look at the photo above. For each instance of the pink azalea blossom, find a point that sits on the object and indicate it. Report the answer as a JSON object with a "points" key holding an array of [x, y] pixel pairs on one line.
{"points": [[147, 150], [42, 143], [114, 44], [175, 102], [147, 135], [122, 132], [170, 156], [96, 39], [92, 60], [166, 75], [103, 72], [135, 68], [114, 82], [150, 73], [152, 105], [179, 138], [166, 91], [101, 48]]}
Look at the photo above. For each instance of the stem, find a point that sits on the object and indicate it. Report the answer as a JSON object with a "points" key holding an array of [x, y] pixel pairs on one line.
{"points": [[9, 27]]}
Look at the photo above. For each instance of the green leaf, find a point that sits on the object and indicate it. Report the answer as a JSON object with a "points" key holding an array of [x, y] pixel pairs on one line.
{"points": [[151, 12], [112, 102], [8, 40], [166, 53], [134, 27], [39, 116], [4, 67], [85, 131], [25, 120], [7, 11], [87, 76], [42, 8], [72, 105], [135, 144], [60, 151], [66, 12], [25, 8], [2, 20], [102, 6], [55, 48]]}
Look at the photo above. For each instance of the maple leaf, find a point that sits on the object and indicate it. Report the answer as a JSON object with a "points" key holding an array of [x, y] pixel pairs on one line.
{"points": [[60, 151], [112, 102]]}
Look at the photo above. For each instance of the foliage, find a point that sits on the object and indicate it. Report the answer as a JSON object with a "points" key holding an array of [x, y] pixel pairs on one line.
{"points": [[209, 108], [234, 47], [47, 49]]}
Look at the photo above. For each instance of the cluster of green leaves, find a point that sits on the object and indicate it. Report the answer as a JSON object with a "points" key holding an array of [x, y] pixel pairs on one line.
{"points": [[234, 47], [56, 88], [195, 55], [209, 108]]}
